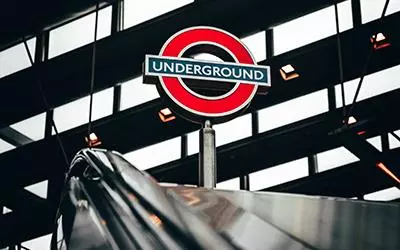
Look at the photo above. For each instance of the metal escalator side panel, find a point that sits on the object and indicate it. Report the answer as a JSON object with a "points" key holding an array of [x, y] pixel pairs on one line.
{"points": [[243, 228], [79, 226], [152, 202], [326, 222]]}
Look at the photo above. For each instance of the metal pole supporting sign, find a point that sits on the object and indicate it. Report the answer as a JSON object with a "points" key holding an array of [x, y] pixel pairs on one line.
{"points": [[207, 156], [183, 81]]}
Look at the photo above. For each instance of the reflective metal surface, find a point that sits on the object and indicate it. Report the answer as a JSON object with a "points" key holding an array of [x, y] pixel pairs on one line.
{"points": [[318, 222], [109, 204]]}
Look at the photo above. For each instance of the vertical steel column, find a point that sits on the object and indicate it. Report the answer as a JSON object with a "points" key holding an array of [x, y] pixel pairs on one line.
{"points": [[385, 142], [269, 39], [312, 164], [116, 26], [356, 12], [42, 55], [207, 157], [331, 98], [245, 182], [48, 125], [184, 146], [269, 48]]}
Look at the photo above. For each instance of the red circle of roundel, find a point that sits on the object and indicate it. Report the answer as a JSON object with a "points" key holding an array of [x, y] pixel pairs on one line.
{"points": [[225, 105]]}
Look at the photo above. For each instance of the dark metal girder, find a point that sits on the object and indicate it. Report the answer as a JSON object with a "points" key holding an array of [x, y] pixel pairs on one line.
{"points": [[370, 156], [21, 200], [36, 16], [18, 227], [124, 132], [66, 78], [14, 137], [351, 180], [300, 139]]}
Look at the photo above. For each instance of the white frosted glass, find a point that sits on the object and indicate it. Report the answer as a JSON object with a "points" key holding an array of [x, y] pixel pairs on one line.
{"points": [[293, 110], [40, 189], [5, 146], [372, 9], [232, 184], [156, 154], [335, 158], [257, 45], [135, 92], [32, 127], [373, 85], [137, 11], [79, 32], [393, 142], [76, 113], [384, 195], [225, 133], [312, 27], [40, 243], [376, 142], [16, 58], [279, 174]]}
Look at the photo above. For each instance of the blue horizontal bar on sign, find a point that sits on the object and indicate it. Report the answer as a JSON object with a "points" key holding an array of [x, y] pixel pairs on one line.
{"points": [[207, 70]]}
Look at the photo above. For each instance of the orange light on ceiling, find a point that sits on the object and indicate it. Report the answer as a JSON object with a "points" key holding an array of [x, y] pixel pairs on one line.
{"points": [[387, 171], [350, 120], [93, 140], [166, 115], [379, 41], [288, 72]]}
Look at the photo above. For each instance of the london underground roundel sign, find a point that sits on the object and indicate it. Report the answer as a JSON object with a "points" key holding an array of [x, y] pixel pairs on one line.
{"points": [[170, 68]]}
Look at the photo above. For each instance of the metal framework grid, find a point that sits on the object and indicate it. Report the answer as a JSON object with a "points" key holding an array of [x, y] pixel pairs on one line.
{"points": [[123, 52]]}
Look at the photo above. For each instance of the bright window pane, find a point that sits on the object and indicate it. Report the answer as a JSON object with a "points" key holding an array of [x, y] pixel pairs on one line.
{"points": [[293, 110], [373, 85], [16, 58], [311, 27], [393, 142], [279, 174], [372, 9], [193, 142], [135, 92], [257, 45], [79, 32], [76, 113], [335, 158], [233, 130], [137, 11], [384, 195], [5, 146], [39, 189], [376, 142], [232, 184], [156, 154], [225, 133], [38, 243], [6, 210], [32, 127]]}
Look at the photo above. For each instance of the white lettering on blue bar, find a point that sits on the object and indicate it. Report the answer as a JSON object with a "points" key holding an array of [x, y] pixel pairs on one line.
{"points": [[207, 70]]}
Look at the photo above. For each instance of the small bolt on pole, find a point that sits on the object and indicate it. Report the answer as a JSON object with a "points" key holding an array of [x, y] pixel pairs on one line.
{"points": [[207, 157]]}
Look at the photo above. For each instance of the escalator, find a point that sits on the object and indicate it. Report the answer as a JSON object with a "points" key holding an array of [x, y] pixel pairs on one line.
{"points": [[109, 204]]}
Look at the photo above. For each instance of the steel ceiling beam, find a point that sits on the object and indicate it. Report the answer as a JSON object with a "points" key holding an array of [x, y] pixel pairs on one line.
{"points": [[287, 143], [36, 16], [120, 57], [123, 130], [14, 137], [352, 180], [372, 157]]}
